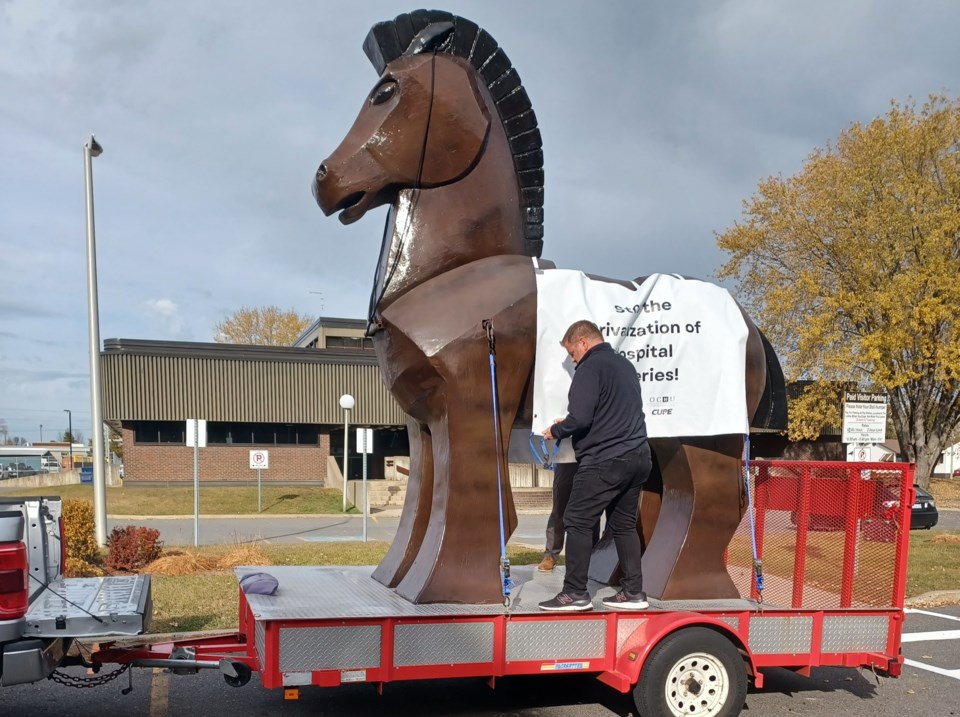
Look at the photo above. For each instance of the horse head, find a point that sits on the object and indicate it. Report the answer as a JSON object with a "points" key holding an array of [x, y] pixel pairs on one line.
{"points": [[424, 124], [429, 123]]}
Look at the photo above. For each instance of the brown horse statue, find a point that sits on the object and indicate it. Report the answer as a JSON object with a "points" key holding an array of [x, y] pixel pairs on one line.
{"points": [[448, 138]]}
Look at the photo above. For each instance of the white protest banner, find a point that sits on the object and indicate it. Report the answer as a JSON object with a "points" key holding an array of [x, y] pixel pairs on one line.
{"points": [[687, 339]]}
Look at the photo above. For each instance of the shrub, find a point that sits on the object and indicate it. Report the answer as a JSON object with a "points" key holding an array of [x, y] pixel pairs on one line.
{"points": [[79, 532], [132, 547], [77, 568]]}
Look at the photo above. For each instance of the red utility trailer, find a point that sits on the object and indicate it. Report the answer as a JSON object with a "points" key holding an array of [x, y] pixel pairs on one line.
{"points": [[832, 596]]}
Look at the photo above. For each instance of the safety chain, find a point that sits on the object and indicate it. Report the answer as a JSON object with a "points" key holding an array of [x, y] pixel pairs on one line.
{"points": [[84, 682]]}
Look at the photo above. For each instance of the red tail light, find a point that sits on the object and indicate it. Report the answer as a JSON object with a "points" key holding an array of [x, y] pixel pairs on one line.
{"points": [[13, 581]]}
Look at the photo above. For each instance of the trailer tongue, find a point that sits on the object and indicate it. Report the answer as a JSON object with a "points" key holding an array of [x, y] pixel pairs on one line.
{"points": [[831, 597]]}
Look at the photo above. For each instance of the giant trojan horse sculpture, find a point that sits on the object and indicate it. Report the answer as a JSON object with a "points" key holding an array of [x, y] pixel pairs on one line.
{"points": [[448, 138]]}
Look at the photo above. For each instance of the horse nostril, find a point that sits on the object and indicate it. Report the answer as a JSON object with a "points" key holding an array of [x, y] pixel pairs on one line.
{"points": [[321, 172]]}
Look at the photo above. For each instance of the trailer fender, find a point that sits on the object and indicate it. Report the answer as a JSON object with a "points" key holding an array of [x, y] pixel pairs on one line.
{"points": [[635, 648]]}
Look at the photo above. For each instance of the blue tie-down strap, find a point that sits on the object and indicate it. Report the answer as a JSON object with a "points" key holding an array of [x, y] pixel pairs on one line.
{"points": [[542, 454], [507, 580]]}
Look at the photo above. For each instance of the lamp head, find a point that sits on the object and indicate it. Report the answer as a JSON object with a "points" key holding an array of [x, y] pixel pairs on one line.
{"points": [[346, 402]]}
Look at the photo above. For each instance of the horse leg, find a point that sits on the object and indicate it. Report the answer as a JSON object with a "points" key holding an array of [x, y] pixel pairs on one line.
{"points": [[438, 370], [416, 508], [458, 558], [699, 513]]}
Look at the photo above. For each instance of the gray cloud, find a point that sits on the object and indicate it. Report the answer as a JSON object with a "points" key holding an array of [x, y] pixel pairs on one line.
{"points": [[658, 120]]}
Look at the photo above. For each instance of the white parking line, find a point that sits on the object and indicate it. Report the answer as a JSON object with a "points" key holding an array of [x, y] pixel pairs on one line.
{"points": [[932, 636], [935, 635], [955, 674], [917, 611]]}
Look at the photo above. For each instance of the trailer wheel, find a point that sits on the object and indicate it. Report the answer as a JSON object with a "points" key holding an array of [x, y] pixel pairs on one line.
{"points": [[694, 672]]}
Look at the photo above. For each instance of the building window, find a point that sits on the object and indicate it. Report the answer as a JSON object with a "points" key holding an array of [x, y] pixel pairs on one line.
{"points": [[260, 434], [160, 432], [350, 342]]}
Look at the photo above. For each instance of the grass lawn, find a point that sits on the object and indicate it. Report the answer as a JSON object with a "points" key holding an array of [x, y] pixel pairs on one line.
{"points": [[946, 492], [228, 500]]}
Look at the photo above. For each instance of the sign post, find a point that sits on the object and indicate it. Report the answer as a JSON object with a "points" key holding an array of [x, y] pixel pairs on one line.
{"points": [[259, 460], [197, 437], [365, 446]]}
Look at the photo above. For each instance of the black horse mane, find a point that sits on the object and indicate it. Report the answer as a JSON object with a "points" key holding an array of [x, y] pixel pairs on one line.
{"points": [[390, 39]]}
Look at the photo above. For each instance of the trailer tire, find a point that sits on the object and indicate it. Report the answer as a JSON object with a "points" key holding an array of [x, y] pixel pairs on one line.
{"points": [[242, 678], [694, 672]]}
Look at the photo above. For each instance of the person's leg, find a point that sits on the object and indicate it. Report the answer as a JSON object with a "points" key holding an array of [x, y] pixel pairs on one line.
{"points": [[632, 472], [562, 484], [589, 495]]}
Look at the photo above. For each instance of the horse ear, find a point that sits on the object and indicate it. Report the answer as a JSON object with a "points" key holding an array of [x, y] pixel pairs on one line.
{"points": [[430, 38]]}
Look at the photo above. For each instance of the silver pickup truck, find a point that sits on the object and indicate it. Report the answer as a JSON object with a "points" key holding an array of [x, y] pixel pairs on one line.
{"points": [[41, 612]]}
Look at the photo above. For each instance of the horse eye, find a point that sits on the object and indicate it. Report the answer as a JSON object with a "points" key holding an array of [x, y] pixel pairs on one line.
{"points": [[383, 93]]}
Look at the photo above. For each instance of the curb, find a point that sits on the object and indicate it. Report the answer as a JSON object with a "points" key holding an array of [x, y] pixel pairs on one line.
{"points": [[388, 513], [934, 598]]}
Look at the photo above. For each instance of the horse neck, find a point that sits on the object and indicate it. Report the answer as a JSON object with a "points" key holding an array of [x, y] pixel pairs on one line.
{"points": [[432, 231]]}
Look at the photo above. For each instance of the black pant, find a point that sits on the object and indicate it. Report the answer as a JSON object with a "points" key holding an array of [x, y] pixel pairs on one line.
{"points": [[612, 486], [563, 476]]}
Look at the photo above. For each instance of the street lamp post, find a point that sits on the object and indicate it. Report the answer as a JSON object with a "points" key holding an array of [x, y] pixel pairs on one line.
{"points": [[70, 433], [41, 433], [346, 403], [90, 150]]}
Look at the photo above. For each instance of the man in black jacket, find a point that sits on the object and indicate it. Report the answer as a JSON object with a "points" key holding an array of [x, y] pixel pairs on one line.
{"points": [[606, 423]]}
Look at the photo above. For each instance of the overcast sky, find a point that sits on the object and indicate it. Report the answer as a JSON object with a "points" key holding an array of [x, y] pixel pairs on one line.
{"points": [[658, 120]]}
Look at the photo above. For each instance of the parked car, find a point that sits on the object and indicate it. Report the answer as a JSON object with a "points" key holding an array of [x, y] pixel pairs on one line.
{"points": [[18, 470], [924, 514], [956, 473]]}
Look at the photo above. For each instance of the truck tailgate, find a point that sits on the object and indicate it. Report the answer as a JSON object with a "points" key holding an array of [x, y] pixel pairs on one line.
{"points": [[91, 607]]}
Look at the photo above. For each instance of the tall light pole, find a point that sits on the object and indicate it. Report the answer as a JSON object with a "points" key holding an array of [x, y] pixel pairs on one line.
{"points": [[41, 433], [90, 150], [70, 433], [346, 403]]}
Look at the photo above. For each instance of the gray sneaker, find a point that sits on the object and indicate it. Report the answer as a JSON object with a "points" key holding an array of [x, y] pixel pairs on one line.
{"points": [[567, 603], [625, 601]]}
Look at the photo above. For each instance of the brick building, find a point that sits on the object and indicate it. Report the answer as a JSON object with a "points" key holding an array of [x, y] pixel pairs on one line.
{"points": [[283, 399]]}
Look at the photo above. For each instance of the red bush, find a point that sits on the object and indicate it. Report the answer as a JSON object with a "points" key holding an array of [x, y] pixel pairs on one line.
{"points": [[132, 546]]}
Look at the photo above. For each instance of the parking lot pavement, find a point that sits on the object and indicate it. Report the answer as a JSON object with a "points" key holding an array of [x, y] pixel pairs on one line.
{"points": [[931, 640]]}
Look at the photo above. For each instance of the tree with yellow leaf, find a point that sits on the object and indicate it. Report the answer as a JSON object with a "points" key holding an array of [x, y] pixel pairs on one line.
{"points": [[267, 326], [852, 267]]}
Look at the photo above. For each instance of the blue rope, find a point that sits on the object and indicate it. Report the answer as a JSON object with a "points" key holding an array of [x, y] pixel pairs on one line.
{"points": [[542, 455], [757, 568], [504, 561]]}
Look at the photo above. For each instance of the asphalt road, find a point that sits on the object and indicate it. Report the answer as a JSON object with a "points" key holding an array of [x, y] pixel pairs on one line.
{"points": [[380, 526], [930, 685], [323, 528]]}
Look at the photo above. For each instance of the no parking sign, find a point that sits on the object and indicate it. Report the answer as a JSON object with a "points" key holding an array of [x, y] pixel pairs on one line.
{"points": [[259, 460]]}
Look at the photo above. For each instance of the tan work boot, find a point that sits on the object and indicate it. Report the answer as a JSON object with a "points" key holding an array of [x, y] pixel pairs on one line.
{"points": [[547, 564]]}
